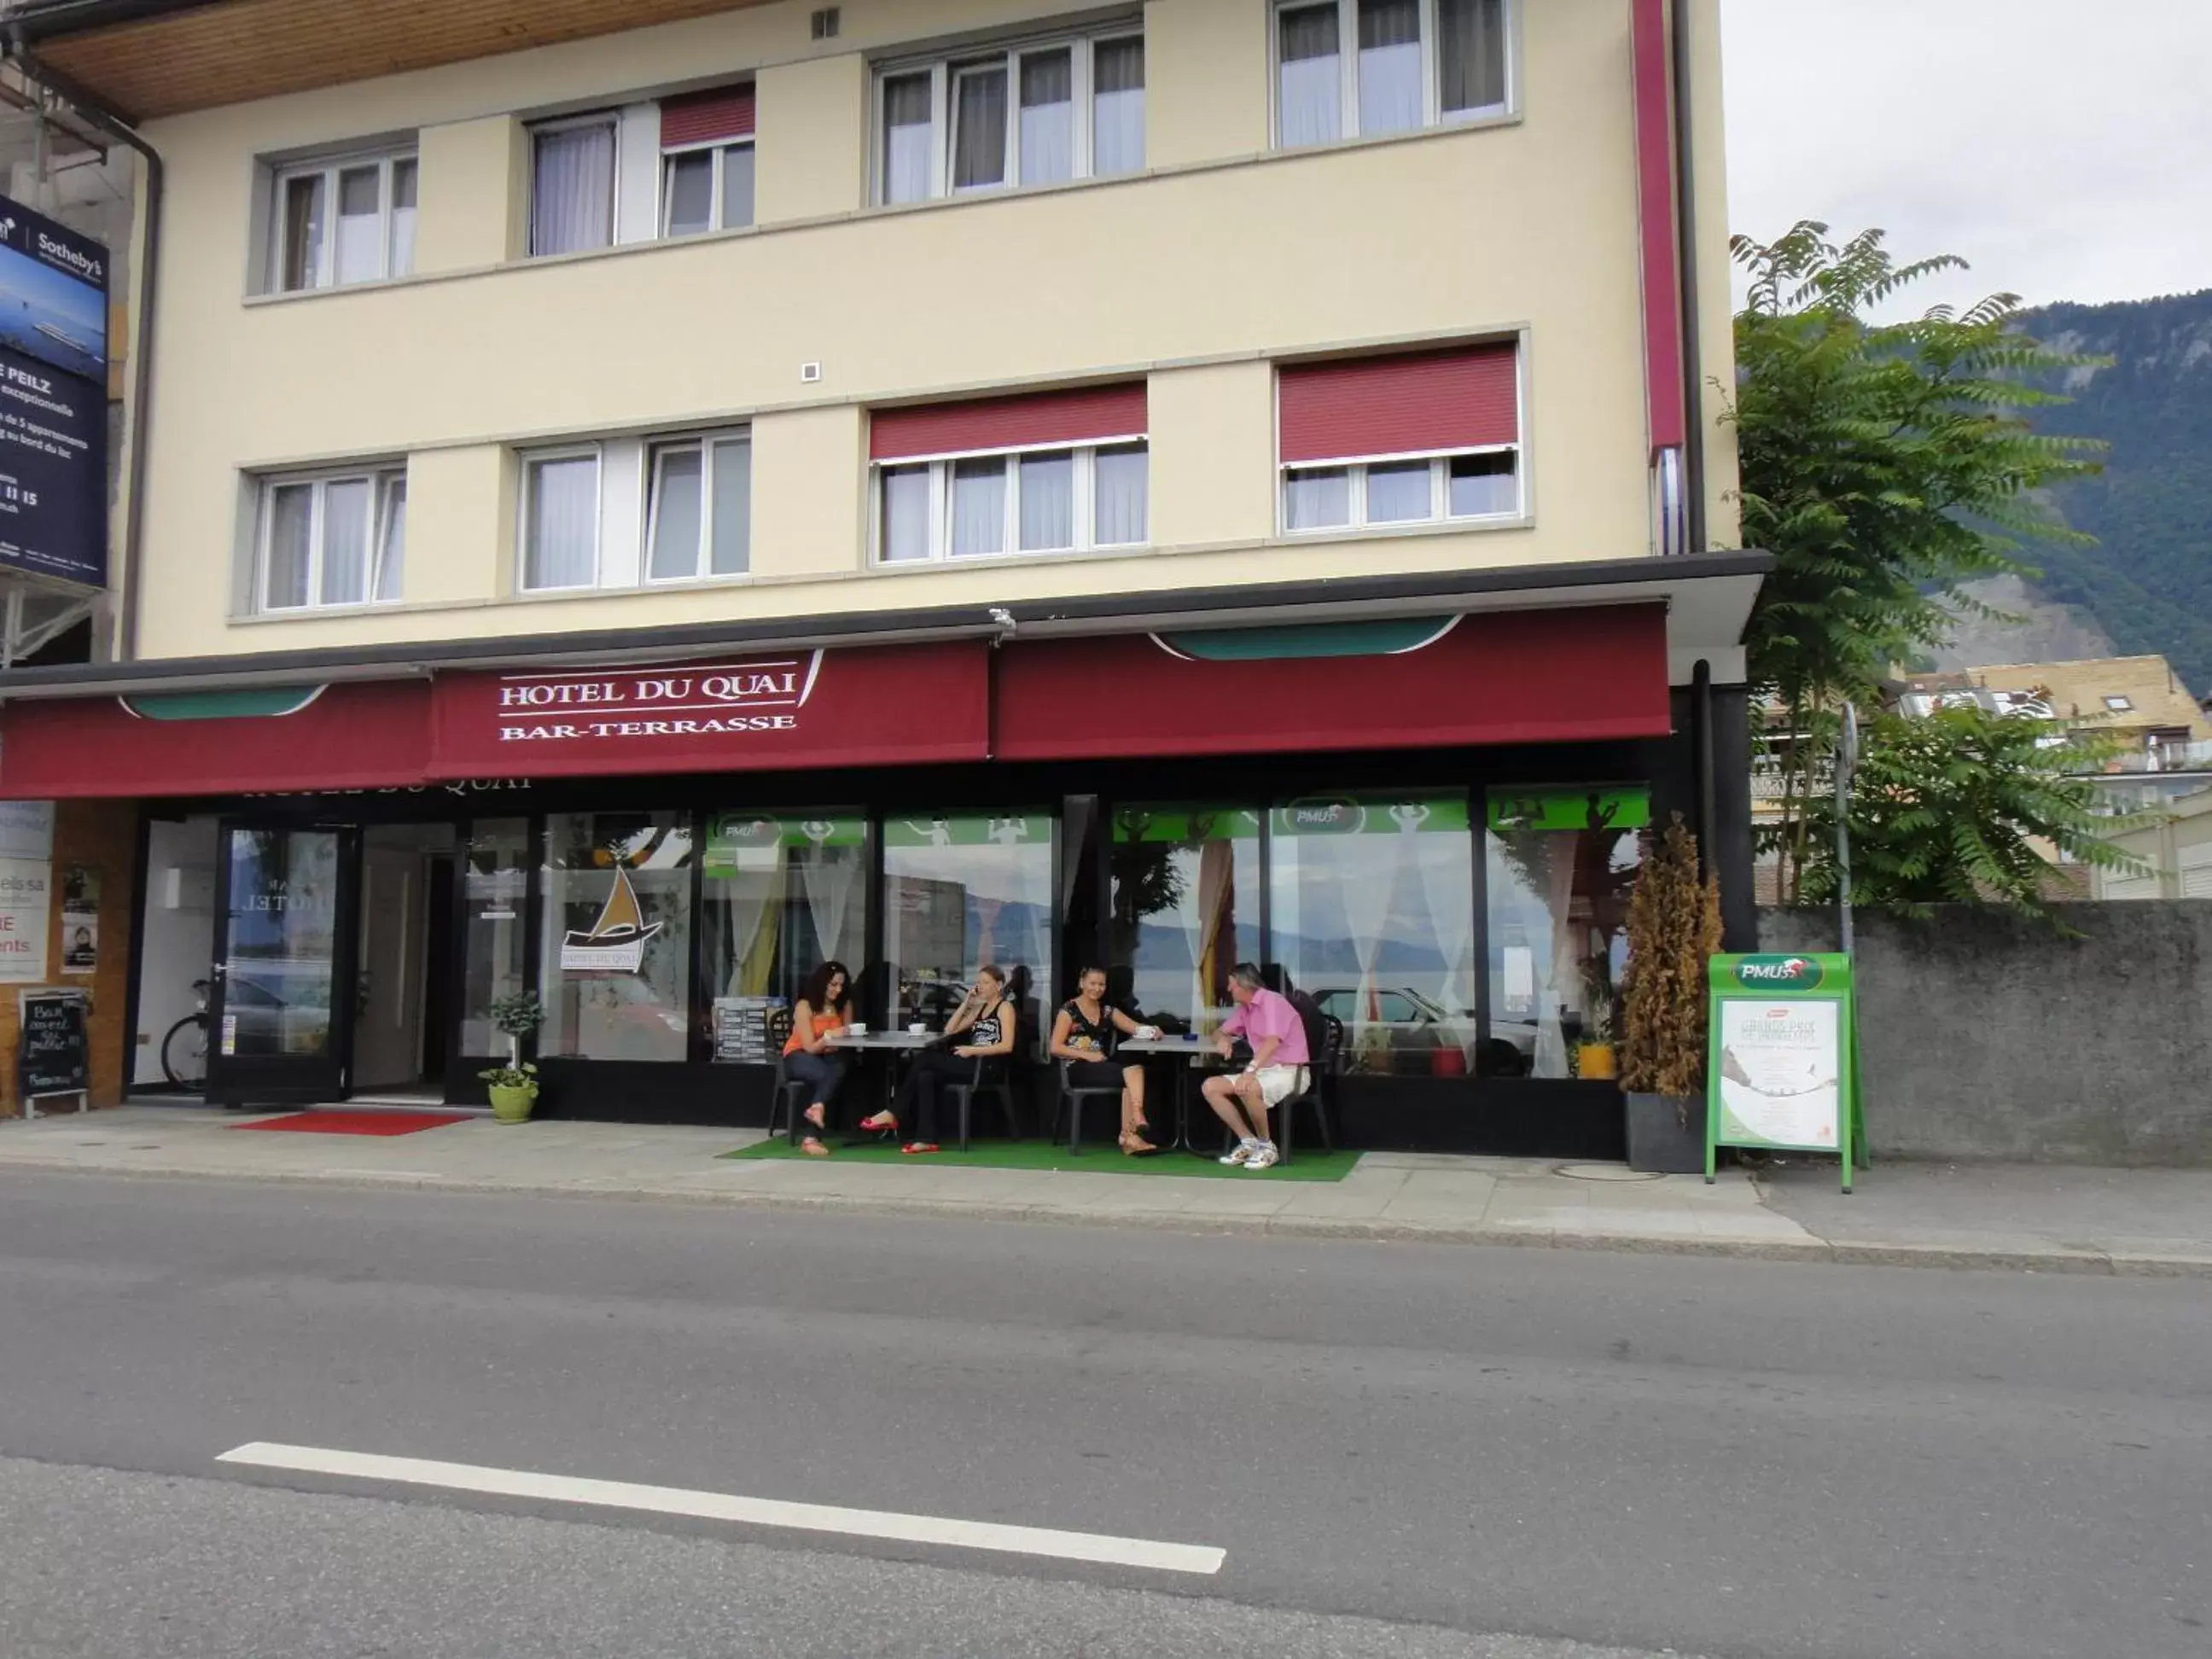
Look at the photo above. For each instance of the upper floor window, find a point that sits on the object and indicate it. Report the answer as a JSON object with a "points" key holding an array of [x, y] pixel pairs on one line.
{"points": [[707, 161], [1038, 112], [1401, 440], [1350, 69], [699, 519], [1055, 471], [335, 538], [572, 184], [346, 221], [627, 511]]}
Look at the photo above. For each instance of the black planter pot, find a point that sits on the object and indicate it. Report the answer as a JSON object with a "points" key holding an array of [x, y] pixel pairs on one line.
{"points": [[1667, 1133]]}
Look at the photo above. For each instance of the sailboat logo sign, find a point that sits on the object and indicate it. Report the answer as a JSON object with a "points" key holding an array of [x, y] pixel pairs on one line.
{"points": [[615, 943]]}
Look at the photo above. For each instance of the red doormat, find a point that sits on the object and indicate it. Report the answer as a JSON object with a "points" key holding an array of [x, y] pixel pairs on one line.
{"points": [[359, 1123]]}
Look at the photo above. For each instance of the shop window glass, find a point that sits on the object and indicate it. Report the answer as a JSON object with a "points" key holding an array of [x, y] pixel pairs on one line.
{"points": [[496, 885], [1561, 861], [963, 888], [780, 894], [1186, 909], [1372, 901], [616, 976]]}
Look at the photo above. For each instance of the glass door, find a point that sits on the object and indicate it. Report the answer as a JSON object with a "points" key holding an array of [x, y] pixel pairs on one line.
{"points": [[280, 1006]]}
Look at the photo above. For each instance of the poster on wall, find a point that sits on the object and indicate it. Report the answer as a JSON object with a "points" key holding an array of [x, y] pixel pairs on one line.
{"points": [[26, 910], [80, 919], [53, 472], [27, 829]]}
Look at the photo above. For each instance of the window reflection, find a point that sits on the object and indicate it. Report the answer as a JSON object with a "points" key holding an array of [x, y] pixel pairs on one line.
{"points": [[494, 885], [779, 896], [1561, 862], [616, 973], [1373, 902], [1186, 909], [965, 888]]}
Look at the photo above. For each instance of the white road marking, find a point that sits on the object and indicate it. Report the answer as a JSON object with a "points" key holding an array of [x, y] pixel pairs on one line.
{"points": [[723, 1506]]}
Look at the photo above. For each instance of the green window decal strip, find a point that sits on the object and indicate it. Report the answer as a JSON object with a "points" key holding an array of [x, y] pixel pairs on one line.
{"points": [[1392, 636], [255, 703]]}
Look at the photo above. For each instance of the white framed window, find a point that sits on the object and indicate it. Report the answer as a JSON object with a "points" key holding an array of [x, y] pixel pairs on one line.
{"points": [[699, 507], [330, 539], [560, 528], [1049, 499], [572, 184], [706, 187], [1476, 483], [350, 220], [1034, 112], [1350, 69]]}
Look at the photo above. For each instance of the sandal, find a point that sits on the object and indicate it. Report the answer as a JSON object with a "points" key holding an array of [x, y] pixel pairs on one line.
{"points": [[813, 1148], [883, 1123], [920, 1148], [1137, 1147]]}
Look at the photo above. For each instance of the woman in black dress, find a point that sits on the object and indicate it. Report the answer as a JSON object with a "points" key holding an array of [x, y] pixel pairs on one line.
{"points": [[986, 1017], [1083, 1035]]}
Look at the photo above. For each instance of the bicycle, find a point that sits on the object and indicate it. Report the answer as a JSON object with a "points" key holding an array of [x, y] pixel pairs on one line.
{"points": [[185, 1049]]}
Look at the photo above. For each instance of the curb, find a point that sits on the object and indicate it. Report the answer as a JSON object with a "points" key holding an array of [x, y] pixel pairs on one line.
{"points": [[1844, 1253]]}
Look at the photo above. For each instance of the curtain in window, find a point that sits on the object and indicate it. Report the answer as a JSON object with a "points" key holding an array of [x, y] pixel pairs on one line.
{"points": [[732, 554], [291, 523], [1471, 52], [573, 197], [1317, 500], [345, 542], [979, 128], [1048, 116], [1117, 106], [906, 514], [833, 879], [1390, 65], [564, 530], [403, 218], [737, 186], [303, 231], [688, 191], [1397, 492], [391, 551], [907, 141], [1048, 501], [1310, 95], [676, 515], [1120, 479], [979, 506]]}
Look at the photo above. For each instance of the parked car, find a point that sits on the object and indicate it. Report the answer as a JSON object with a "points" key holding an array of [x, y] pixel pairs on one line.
{"points": [[1419, 1036]]}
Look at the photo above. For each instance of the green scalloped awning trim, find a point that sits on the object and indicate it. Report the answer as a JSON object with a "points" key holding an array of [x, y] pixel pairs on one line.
{"points": [[255, 703], [1385, 637]]}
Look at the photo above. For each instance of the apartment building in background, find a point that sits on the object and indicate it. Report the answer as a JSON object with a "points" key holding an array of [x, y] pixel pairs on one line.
{"points": [[632, 500]]}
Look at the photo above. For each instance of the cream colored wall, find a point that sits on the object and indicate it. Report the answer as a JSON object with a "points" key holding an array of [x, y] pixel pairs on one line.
{"points": [[1196, 274], [1715, 307]]}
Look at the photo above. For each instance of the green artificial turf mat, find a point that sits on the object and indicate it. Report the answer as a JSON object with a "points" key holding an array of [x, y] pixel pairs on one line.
{"points": [[1098, 1157]]}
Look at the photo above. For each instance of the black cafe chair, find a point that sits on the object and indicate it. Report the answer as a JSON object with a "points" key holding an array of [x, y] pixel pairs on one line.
{"points": [[1070, 1105], [988, 1076], [1328, 1060], [790, 1090]]}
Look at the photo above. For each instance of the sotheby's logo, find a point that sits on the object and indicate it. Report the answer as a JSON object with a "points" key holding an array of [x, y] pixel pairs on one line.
{"points": [[1779, 973]]}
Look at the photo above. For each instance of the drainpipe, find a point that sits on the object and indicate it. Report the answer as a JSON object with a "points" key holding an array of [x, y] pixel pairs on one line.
{"points": [[99, 116], [1686, 238]]}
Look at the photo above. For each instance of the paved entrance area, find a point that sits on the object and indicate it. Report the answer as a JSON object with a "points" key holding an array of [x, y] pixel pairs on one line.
{"points": [[2103, 1221]]}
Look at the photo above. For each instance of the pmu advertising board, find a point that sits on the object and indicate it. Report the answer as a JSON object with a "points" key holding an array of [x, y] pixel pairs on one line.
{"points": [[54, 399]]}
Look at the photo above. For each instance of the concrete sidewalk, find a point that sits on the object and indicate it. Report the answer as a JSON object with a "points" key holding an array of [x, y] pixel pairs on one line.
{"points": [[2154, 1221]]}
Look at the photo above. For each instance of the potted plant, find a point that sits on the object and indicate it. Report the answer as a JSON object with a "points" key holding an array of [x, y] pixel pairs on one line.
{"points": [[1594, 1051], [1674, 929], [513, 1086]]}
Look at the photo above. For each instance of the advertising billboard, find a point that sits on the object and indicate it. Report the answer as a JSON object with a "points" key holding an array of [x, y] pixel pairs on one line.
{"points": [[53, 472], [53, 293]]}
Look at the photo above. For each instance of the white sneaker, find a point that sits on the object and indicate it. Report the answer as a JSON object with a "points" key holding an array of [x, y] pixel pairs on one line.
{"points": [[1241, 1154], [1267, 1157]]}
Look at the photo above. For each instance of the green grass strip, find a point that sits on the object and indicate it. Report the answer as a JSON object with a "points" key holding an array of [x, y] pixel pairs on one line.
{"points": [[1098, 1157]]}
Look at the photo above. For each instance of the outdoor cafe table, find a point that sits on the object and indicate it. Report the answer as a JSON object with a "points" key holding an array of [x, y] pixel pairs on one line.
{"points": [[889, 1043], [1193, 1050]]}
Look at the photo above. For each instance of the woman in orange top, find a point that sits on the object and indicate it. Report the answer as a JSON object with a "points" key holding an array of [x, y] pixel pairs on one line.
{"points": [[823, 1008]]}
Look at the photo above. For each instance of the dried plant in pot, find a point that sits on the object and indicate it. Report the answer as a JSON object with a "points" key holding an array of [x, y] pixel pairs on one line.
{"points": [[1674, 930]]}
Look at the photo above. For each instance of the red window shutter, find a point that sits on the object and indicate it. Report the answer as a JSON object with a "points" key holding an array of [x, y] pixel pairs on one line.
{"points": [[1091, 415], [700, 118], [1411, 404]]}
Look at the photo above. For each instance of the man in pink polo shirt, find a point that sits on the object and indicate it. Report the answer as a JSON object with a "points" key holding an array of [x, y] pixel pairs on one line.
{"points": [[1277, 1036]]}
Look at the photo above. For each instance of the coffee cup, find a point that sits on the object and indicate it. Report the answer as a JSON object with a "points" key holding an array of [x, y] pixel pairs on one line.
{"points": [[858, 1029], [918, 1029]]}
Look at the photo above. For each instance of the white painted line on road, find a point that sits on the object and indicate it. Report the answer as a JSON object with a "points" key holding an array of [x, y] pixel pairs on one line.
{"points": [[723, 1506]]}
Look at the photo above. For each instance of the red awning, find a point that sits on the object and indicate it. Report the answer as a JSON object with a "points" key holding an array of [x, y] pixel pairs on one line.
{"points": [[1570, 676]]}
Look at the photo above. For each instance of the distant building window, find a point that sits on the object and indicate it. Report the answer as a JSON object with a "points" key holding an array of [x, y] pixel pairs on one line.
{"points": [[572, 184], [346, 220], [330, 539], [1357, 69], [2118, 705], [561, 519], [707, 161], [700, 510]]}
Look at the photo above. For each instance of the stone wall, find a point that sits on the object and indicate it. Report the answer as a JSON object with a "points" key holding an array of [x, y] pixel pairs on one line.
{"points": [[1984, 1037]]}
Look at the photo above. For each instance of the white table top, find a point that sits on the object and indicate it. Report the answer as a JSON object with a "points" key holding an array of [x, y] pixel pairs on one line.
{"points": [[881, 1040], [1165, 1045]]}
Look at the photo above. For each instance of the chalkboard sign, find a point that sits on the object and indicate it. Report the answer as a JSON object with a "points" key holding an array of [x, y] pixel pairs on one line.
{"points": [[51, 1058], [741, 1029]]}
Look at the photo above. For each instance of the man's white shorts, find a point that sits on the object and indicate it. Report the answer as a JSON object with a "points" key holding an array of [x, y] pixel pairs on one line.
{"points": [[1278, 1082]]}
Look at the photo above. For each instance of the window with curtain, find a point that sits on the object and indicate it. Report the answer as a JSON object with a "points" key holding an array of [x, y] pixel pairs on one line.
{"points": [[1037, 111], [572, 186], [1560, 863], [346, 220], [615, 970], [706, 160], [330, 540], [1055, 501], [962, 889], [560, 520], [1186, 909], [781, 893], [1371, 908], [1412, 64], [699, 507]]}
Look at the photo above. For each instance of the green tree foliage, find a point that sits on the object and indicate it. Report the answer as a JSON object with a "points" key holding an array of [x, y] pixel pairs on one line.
{"points": [[1883, 464], [1946, 808]]}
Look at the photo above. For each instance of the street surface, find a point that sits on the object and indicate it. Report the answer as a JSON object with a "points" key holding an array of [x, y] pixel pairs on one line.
{"points": [[1176, 1444]]}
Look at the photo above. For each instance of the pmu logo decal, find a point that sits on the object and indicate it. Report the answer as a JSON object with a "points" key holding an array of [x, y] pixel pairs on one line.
{"points": [[1779, 973]]}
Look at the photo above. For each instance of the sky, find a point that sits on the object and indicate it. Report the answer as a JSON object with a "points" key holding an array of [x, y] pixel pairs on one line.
{"points": [[2064, 149]]}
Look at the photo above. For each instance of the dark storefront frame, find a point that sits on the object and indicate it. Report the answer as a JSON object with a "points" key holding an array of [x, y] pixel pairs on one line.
{"points": [[1557, 1117]]}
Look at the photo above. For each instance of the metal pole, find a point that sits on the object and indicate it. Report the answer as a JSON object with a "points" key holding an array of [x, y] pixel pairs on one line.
{"points": [[1847, 758]]}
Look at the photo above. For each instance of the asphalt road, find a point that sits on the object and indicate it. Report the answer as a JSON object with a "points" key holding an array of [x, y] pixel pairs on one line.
{"points": [[1402, 1450]]}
